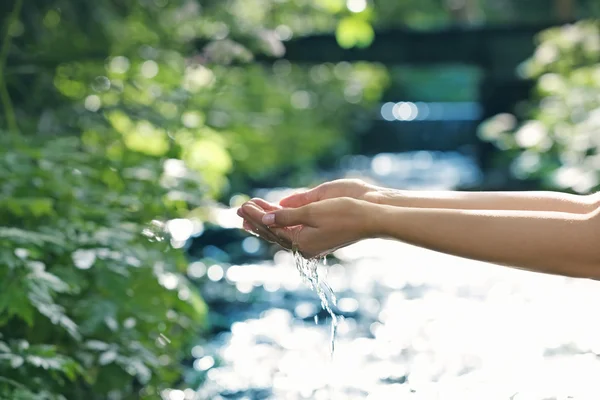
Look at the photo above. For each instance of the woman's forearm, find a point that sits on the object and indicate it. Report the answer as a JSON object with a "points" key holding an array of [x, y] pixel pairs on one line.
{"points": [[525, 201], [550, 242]]}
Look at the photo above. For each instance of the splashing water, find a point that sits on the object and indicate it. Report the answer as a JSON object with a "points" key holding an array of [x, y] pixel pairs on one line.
{"points": [[309, 271]]}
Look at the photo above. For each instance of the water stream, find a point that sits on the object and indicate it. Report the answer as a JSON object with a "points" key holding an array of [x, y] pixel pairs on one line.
{"points": [[409, 323], [309, 270]]}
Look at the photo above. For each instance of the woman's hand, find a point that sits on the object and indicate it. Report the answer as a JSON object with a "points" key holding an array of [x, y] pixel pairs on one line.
{"points": [[353, 188], [315, 229], [252, 212]]}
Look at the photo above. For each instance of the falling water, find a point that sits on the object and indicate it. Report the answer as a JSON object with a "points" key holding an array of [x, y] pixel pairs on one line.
{"points": [[309, 271]]}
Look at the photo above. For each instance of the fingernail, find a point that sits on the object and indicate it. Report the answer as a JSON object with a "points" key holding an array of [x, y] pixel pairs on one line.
{"points": [[268, 219]]}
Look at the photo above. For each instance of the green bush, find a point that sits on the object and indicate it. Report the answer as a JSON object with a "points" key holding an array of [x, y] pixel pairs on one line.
{"points": [[113, 117], [177, 79], [559, 141], [93, 303]]}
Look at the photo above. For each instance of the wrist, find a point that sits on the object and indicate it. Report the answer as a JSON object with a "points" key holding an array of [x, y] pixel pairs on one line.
{"points": [[384, 196], [375, 219]]}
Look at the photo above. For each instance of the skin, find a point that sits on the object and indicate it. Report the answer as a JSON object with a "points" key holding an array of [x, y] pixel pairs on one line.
{"points": [[525, 201], [525, 233]]}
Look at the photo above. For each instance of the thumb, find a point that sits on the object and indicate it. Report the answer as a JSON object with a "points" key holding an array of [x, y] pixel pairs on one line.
{"points": [[287, 217]]}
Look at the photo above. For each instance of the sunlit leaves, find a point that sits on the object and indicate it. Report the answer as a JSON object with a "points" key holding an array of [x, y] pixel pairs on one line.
{"points": [[146, 138], [21, 236], [29, 289], [226, 51], [41, 288], [354, 31], [85, 204], [207, 154], [122, 90], [197, 77], [332, 6], [40, 360], [559, 141]]}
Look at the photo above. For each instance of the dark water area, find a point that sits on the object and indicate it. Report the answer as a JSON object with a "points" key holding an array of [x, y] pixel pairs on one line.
{"points": [[416, 324]]}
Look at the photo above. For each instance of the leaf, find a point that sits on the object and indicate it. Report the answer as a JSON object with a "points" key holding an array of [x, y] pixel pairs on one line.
{"points": [[332, 6], [141, 351], [14, 300], [25, 237], [354, 31], [4, 348], [199, 306], [56, 315], [41, 286], [42, 280], [16, 361], [140, 370], [107, 357], [96, 345], [8, 259], [208, 155], [41, 206], [93, 311], [46, 357], [148, 139]]}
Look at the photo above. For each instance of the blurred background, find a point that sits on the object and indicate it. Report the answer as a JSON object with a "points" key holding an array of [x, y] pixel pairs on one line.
{"points": [[131, 130]]}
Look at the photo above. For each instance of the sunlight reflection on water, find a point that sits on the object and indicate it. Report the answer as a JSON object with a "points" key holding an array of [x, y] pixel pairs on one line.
{"points": [[444, 328], [418, 324]]}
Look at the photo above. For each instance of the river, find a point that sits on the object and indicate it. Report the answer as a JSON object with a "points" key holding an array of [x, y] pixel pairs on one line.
{"points": [[417, 324]]}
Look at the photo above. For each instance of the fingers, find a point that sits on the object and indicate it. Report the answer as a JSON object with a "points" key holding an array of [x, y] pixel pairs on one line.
{"points": [[248, 227], [301, 198], [288, 217], [265, 205], [265, 233], [295, 200], [252, 212], [252, 222], [289, 228]]}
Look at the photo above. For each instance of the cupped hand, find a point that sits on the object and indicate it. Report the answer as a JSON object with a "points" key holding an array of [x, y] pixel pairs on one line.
{"points": [[315, 229], [352, 188], [252, 212]]}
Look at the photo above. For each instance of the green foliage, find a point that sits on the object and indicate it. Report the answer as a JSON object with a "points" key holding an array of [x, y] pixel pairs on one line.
{"points": [[174, 79], [119, 114], [85, 298], [559, 141]]}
